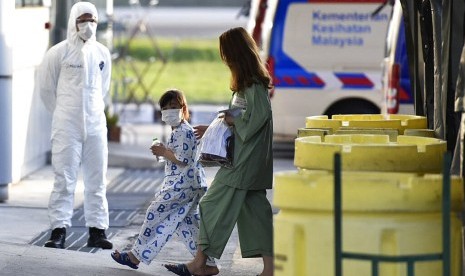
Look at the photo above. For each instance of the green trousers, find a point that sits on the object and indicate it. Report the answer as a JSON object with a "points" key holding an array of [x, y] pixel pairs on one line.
{"points": [[222, 207]]}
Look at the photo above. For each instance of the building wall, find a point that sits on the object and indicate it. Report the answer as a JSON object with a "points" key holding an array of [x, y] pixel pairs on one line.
{"points": [[31, 122]]}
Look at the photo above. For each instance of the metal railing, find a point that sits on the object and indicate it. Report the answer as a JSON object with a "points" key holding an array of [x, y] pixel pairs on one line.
{"points": [[376, 259]]}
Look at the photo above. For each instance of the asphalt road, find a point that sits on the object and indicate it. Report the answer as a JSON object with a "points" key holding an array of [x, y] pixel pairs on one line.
{"points": [[178, 22]]}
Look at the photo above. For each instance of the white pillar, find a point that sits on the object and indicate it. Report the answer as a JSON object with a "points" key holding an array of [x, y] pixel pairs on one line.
{"points": [[109, 8], [110, 17], [7, 9]]}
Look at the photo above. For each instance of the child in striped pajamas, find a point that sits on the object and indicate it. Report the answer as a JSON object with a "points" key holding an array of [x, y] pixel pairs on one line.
{"points": [[174, 209]]}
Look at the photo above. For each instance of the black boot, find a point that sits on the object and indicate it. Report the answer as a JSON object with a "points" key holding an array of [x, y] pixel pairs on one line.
{"points": [[57, 238], [97, 238]]}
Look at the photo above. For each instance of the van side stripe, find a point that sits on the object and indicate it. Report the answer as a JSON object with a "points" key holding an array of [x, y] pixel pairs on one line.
{"points": [[354, 80], [404, 97], [346, 1], [298, 79]]}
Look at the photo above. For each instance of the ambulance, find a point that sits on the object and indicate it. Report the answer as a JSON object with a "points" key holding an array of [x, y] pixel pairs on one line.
{"points": [[325, 58]]}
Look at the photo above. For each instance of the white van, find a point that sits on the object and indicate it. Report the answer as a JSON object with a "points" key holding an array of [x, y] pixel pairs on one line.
{"points": [[325, 58]]}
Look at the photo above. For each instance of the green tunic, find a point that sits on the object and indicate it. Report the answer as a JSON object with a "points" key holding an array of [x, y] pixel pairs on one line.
{"points": [[239, 194], [253, 155]]}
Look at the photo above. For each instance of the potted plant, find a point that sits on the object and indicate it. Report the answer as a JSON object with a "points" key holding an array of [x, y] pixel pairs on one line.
{"points": [[114, 130]]}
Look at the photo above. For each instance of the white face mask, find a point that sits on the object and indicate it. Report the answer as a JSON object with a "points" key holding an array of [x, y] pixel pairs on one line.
{"points": [[87, 30], [171, 117]]}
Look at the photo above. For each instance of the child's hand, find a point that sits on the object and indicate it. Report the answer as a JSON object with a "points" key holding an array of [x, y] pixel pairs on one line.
{"points": [[229, 119], [199, 131], [158, 150]]}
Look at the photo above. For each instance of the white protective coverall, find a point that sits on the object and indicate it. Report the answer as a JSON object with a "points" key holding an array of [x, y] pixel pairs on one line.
{"points": [[74, 79]]}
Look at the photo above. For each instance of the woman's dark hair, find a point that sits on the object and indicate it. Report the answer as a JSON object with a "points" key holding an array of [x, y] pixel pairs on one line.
{"points": [[240, 53], [178, 95]]}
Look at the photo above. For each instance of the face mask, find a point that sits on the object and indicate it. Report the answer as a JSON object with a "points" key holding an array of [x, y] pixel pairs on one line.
{"points": [[171, 117], [87, 30]]}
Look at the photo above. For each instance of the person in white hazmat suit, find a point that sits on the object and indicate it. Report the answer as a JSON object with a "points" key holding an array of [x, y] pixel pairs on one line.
{"points": [[74, 78]]}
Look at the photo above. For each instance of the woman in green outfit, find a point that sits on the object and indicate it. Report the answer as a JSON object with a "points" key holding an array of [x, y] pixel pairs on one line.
{"points": [[238, 194]]}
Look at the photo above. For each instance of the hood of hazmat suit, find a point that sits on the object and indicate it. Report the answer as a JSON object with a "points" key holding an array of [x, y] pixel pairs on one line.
{"points": [[74, 79]]}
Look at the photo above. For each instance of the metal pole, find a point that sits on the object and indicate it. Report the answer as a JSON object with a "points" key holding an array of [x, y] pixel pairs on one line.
{"points": [[7, 9], [337, 215], [446, 209], [60, 13], [110, 15]]}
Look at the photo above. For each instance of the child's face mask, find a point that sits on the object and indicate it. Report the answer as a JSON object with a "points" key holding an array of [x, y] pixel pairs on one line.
{"points": [[171, 117]]}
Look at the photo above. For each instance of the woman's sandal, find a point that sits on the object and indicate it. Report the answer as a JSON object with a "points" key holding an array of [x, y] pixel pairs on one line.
{"points": [[179, 269], [123, 258]]}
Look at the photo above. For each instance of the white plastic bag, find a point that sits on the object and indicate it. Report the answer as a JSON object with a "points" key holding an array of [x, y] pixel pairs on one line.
{"points": [[216, 145]]}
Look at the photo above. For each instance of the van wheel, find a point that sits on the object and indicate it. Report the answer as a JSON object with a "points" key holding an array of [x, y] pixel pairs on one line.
{"points": [[352, 106]]}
